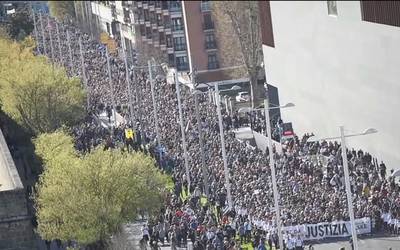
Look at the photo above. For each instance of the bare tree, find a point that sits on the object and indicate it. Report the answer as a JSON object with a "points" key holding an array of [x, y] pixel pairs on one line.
{"points": [[147, 52], [244, 21]]}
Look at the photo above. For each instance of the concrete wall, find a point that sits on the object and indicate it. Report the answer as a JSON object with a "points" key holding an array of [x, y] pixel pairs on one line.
{"points": [[16, 232], [338, 71]]}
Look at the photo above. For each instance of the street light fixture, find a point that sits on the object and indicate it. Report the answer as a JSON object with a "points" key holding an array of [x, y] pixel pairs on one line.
{"points": [[221, 133], [272, 162], [343, 137]]}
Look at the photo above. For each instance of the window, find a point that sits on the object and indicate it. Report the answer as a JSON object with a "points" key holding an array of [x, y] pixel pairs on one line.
{"points": [[332, 8], [164, 5], [179, 43], [174, 6], [108, 28], [148, 33], [205, 6], [208, 23], [212, 61], [177, 24], [181, 63], [383, 12], [142, 30], [169, 41], [146, 15], [152, 17], [159, 19], [171, 60], [162, 38], [167, 22], [210, 41]]}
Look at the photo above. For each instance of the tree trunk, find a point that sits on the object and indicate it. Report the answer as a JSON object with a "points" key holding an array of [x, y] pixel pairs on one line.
{"points": [[253, 84]]}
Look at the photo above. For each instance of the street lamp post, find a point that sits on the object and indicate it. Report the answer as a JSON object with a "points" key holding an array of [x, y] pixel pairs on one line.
{"points": [[185, 154], [112, 91], [128, 83], [61, 61], [221, 133], [201, 142], [71, 64], [273, 174], [155, 108], [35, 30], [84, 74], [348, 188], [43, 37], [272, 162], [51, 40], [343, 137]]}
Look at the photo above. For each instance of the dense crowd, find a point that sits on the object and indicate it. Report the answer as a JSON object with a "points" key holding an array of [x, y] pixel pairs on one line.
{"points": [[310, 175]]}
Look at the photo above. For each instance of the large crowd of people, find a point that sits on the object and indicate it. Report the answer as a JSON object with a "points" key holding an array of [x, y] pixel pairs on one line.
{"points": [[309, 175]]}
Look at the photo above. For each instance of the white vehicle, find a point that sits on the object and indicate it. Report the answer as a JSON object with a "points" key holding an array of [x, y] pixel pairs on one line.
{"points": [[243, 97]]}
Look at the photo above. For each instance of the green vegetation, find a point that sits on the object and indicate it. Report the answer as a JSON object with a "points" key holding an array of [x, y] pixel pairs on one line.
{"points": [[87, 198], [34, 93], [62, 10]]}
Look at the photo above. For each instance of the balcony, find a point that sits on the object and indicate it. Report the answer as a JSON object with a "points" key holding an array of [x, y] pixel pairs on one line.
{"points": [[205, 6], [208, 26]]}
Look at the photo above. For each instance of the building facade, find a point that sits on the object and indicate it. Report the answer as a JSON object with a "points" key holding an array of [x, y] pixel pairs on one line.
{"points": [[339, 62], [205, 45], [16, 230]]}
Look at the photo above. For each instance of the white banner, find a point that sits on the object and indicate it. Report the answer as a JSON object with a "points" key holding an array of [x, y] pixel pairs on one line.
{"points": [[330, 229]]}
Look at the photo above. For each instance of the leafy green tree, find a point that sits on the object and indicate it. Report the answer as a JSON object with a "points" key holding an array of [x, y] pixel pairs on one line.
{"points": [[35, 93], [86, 198], [62, 10]]}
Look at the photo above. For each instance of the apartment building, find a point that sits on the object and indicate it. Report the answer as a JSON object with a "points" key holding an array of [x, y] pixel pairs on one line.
{"points": [[339, 62], [203, 42]]}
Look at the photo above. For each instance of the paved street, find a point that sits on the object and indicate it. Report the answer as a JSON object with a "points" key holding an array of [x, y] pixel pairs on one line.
{"points": [[367, 244]]}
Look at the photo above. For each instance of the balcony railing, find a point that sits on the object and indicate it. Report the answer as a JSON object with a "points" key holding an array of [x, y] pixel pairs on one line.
{"points": [[211, 45], [180, 47], [208, 26], [205, 6], [177, 27], [182, 66]]}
